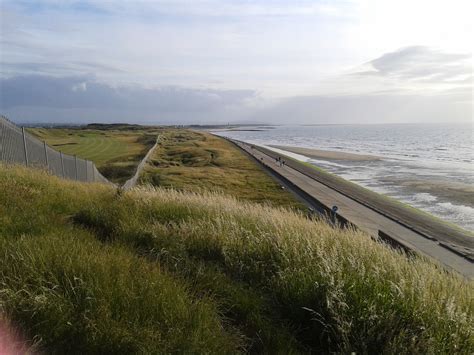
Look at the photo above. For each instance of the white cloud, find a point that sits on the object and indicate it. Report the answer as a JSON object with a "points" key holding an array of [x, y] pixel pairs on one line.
{"points": [[415, 68], [79, 87], [419, 63], [278, 49]]}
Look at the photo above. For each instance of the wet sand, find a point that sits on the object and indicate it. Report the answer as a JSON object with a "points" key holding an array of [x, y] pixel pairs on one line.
{"points": [[327, 154], [456, 192]]}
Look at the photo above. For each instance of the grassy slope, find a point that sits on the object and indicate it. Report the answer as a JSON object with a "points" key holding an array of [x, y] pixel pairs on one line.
{"points": [[198, 161], [164, 271], [116, 153]]}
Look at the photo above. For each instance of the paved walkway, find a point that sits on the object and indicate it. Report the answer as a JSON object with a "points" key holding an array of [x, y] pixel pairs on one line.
{"points": [[365, 218]]}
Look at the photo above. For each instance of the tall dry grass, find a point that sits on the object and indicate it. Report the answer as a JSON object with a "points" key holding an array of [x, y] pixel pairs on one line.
{"points": [[344, 291], [256, 278]]}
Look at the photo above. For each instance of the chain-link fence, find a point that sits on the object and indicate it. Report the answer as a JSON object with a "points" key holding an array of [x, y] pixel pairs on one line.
{"points": [[20, 147]]}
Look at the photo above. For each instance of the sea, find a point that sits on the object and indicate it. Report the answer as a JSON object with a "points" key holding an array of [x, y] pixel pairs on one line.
{"points": [[428, 166]]}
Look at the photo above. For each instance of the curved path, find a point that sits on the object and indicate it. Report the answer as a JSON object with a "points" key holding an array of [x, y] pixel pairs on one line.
{"points": [[368, 219]]}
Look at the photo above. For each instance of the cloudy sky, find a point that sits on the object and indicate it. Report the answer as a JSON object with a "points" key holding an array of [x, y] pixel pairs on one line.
{"points": [[219, 61]]}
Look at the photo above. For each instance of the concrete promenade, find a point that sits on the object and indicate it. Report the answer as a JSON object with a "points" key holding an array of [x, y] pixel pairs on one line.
{"points": [[363, 217]]}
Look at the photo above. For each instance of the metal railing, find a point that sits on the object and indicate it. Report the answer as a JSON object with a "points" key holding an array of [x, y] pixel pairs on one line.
{"points": [[20, 147]]}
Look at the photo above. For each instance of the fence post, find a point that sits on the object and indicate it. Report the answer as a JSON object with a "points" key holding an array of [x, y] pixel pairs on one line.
{"points": [[62, 163], [24, 145], [46, 154], [93, 173], [75, 164]]}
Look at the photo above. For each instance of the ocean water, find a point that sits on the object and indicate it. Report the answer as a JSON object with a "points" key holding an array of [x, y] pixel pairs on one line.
{"points": [[428, 166]]}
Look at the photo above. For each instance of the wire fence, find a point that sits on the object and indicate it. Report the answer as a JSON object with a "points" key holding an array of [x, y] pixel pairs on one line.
{"points": [[20, 147], [134, 179]]}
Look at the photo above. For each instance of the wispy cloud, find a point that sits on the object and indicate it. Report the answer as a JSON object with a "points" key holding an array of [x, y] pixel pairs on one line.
{"points": [[220, 60], [268, 46], [421, 63], [205, 8]]}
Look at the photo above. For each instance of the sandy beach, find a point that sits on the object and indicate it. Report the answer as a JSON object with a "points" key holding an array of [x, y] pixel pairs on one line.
{"points": [[327, 154]]}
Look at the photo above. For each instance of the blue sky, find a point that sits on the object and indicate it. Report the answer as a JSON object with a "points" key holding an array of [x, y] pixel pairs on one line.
{"points": [[226, 60]]}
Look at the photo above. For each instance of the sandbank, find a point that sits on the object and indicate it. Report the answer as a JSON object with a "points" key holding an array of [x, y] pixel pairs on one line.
{"points": [[327, 154]]}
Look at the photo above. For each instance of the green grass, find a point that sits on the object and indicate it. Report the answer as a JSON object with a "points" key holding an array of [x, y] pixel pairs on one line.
{"points": [[197, 161], [162, 271], [68, 292], [116, 153]]}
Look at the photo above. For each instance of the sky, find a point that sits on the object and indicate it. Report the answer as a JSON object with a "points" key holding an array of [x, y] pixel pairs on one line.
{"points": [[236, 61]]}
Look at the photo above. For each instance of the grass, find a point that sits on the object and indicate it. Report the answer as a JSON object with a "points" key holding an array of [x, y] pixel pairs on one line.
{"points": [[197, 161], [115, 152], [162, 271]]}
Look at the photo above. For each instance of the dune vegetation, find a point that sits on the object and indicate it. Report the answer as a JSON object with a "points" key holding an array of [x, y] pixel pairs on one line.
{"points": [[85, 268], [194, 161]]}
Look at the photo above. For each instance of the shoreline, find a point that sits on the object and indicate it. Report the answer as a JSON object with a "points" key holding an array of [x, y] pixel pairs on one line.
{"points": [[446, 199], [327, 154]]}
